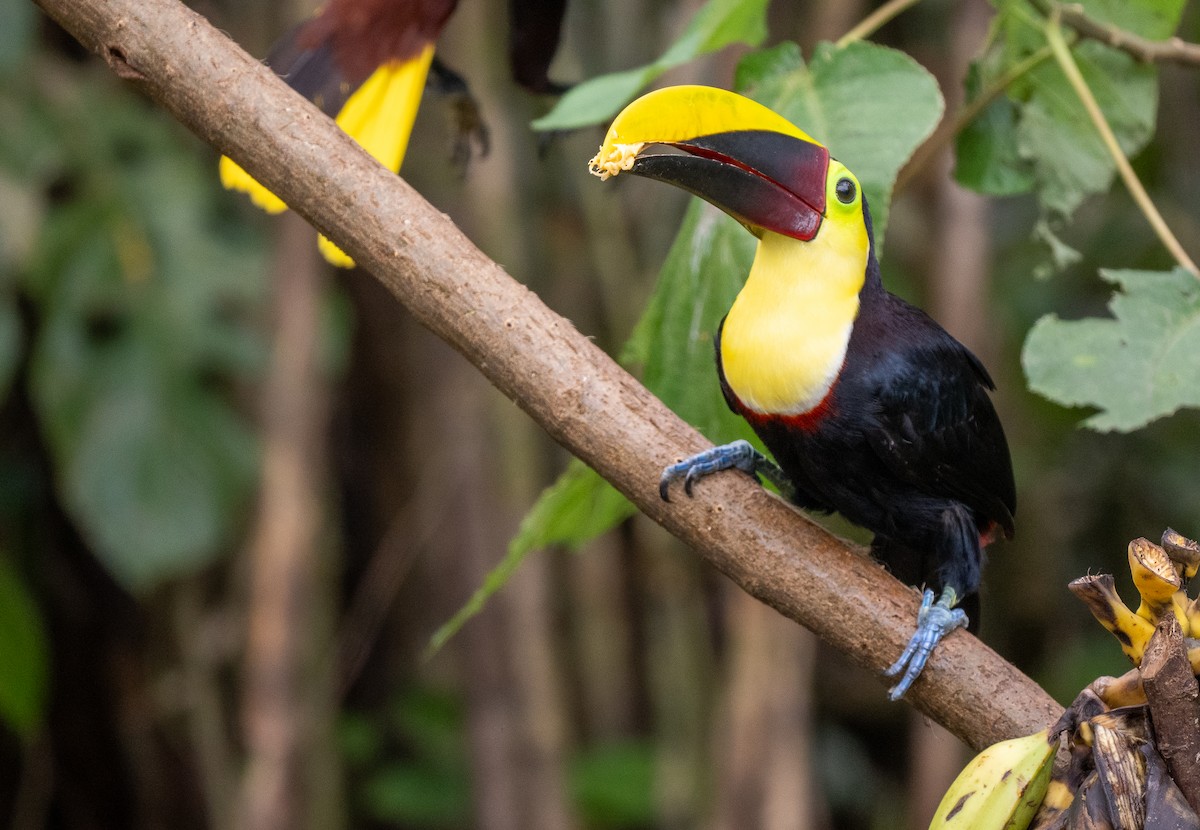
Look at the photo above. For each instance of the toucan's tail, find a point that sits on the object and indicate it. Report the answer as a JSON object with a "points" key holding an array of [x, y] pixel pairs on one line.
{"points": [[378, 113]]}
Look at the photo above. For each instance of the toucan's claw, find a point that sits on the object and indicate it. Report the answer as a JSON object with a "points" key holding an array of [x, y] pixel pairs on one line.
{"points": [[740, 455], [934, 621]]}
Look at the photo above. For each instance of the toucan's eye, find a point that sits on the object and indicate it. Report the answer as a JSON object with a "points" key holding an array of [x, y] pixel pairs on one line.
{"points": [[846, 191]]}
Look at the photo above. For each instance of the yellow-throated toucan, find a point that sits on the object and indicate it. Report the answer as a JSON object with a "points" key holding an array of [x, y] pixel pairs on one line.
{"points": [[868, 406]]}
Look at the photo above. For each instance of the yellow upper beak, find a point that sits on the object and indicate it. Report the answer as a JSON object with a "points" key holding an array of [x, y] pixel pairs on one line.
{"points": [[741, 156]]}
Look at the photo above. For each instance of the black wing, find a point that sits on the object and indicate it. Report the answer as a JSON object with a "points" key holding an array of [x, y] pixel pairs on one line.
{"points": [[935, 426]]}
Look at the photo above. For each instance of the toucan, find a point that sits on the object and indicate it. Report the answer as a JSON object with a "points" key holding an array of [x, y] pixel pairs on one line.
{"points": [[869, 407], [365, 63]]}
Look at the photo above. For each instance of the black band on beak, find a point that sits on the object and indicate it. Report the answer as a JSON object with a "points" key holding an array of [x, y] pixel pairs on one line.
{"points": [[766, 180], [756, 202]]}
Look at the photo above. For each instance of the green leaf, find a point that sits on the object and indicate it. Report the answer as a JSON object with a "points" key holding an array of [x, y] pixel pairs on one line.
{"points": [[987, 158], [595, 100], [1154, 19], [1140, 365], [1069, 158], [146, 318], [23, 654], [673, 341], [575, 509], [871, 105], [718, 24]]}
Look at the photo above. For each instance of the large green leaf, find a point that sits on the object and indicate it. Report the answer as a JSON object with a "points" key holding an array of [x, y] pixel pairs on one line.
{"points": [[23, 648], [988, 158], [719, 23], [673, 342], [145, 319], [1140, 365]]}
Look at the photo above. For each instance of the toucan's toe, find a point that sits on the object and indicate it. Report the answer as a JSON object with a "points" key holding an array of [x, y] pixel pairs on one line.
{"points": [[934, 621]]}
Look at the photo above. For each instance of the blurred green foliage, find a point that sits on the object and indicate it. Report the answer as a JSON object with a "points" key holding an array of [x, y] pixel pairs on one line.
{"points": [[131, 303], [429, 785], [146, 319], [613, 784], [146, 297], [23, 654]]}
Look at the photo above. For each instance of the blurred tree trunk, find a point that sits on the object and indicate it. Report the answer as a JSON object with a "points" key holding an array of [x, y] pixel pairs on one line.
{"points": [[517, 721], [290, 778], [763, 748], [680, 673]]}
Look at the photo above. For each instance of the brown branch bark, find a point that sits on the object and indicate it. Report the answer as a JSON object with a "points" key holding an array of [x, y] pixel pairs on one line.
{"points": [[570, 387]]}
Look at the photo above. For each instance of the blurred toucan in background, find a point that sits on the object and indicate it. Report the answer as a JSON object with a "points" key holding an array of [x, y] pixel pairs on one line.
{"points": [[366, 63], [868, 406]]}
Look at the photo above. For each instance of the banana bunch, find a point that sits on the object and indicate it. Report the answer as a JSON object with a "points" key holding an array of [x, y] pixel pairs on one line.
{"points": [[1114, 775], [1110, 775]]}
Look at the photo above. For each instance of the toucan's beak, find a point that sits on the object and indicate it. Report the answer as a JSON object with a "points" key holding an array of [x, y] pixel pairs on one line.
{"points": [[747, 160]]}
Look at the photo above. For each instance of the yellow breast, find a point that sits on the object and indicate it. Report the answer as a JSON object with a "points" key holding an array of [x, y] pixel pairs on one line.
{"points": [[785, 337]]}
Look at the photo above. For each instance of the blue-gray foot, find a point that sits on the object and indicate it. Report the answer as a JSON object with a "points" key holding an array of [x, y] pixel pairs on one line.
{"points": [[739, 455], [934, 621]]}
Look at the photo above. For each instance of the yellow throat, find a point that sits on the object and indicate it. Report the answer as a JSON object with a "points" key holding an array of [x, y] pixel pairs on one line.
{"points": [[785, 337]]}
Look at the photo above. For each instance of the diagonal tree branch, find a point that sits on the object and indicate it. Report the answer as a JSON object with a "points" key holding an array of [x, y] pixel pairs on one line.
{"points": [[576, 392]]}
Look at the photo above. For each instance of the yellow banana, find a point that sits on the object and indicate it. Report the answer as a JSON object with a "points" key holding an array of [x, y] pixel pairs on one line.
{"points": [[1126, 690], [1192, 629], [1099, 594], [1000, 788], [1182, 602], [1155, 578]]}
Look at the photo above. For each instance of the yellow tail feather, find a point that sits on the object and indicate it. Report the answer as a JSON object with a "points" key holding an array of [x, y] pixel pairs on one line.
{"points": [[379, 116], [233, 177]]}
